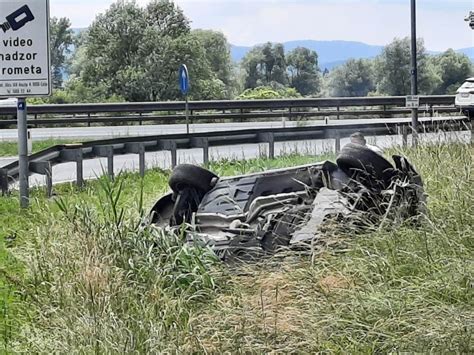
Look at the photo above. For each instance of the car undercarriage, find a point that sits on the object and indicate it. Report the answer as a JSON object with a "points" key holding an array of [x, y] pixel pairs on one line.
{"points": [[250, 216]]}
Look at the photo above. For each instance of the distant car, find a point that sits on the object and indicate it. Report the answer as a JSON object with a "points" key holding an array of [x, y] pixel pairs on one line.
{"points": [[250, 216], [465, 97]]}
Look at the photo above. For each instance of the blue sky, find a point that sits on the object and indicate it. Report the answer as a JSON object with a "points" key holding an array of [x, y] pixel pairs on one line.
{"points": [[247, 22]]}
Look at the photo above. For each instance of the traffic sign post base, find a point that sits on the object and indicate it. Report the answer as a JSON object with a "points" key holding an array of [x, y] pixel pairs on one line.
{"points": [[23, 152]]}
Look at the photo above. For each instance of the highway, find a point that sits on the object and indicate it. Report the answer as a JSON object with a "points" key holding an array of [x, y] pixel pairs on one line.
{"points": [[93, 168], [102, 132]]}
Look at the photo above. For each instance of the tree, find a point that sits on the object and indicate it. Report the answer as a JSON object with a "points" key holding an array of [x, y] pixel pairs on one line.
{"points": [[265, 65], [354, 78], [167, 18], [217, 53], [304, 71], [393, 69], [61, 39], [452, 68], [136, 52], [159, 60], [111, 46]]}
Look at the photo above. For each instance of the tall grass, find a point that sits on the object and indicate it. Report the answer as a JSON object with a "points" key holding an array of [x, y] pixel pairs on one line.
{"points": [[102, 279], [397, 289], [98, 278]]}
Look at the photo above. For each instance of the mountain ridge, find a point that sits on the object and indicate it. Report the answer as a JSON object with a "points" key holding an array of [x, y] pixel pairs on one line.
{"points": [[330, 53], [335, 52]]}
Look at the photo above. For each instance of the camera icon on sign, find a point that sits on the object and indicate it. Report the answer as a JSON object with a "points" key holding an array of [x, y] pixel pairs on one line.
{"points": [[17, 19]]}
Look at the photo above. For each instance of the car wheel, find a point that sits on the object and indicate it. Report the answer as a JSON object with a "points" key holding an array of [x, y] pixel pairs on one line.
{"points": [[358, 159], [187, 175]]}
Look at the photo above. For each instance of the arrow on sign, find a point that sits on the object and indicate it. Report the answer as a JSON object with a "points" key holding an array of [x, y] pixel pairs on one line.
{"points": [[183, 79]]}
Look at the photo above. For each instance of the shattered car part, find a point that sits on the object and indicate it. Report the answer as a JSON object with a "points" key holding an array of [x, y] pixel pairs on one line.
{"points": [[249, 216]]}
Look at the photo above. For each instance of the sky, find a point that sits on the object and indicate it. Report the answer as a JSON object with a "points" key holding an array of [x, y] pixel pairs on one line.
{"points": [[249, 22]]}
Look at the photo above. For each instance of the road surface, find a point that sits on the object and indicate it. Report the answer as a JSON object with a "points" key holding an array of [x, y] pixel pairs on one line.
{"points": [[104, 132]]}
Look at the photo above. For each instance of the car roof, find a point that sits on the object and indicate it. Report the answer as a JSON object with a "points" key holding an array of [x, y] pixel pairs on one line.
{"points": [[471, 80]]}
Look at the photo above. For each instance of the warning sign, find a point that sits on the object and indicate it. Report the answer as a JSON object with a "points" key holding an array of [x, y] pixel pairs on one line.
{"points": [[24, 48]]}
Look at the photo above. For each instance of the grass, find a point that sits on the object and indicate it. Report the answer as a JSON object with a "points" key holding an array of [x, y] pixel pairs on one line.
{"points": [[9, 149], [84, 273]]}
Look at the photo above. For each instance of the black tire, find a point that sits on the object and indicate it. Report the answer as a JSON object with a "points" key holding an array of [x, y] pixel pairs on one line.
{"points": [[188, 175], [358, 158]]}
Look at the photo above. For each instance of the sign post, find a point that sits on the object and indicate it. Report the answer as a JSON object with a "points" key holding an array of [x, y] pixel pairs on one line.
{"points": [[414, 75], [184, 87], [24, 67]]}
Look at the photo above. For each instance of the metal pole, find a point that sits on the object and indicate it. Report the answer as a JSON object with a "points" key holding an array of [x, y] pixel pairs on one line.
{"points": [[414, 74], [23, 152], [187, 115]]}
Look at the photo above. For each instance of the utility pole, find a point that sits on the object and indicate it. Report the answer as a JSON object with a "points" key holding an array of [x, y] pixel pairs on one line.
{"points": [[414, 75]]}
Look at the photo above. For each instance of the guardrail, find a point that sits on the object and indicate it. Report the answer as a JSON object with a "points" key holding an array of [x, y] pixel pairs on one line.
{"points": [[171, 112], [42, 162]]}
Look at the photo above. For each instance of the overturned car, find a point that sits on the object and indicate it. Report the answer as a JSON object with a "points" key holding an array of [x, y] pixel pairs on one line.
{"points": [[249, 216]]}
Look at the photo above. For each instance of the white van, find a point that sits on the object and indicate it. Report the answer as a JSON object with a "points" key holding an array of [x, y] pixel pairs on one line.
{"points": [[465, 97]]}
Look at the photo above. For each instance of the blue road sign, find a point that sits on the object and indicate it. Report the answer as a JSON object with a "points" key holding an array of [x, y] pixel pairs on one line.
{"points": [[183, 79]]}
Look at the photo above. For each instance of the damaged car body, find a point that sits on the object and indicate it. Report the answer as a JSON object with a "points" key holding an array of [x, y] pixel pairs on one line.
{"points": [[250, 216]]}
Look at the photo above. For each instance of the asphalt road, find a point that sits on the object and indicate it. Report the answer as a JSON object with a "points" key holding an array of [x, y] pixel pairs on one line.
{"points": [[103, 132], [95, 167]]}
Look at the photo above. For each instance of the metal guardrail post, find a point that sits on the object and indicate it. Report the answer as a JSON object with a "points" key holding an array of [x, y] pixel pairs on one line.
{"points": [[79, 169], [405, 136], [172, 147], [49, 180], [204, 144], [337, 143], [110, 164], [141, 161], [138, 148], [205, 152], [270, 139], [107, 151], [75, 155], [4, 181], [44, 168]]}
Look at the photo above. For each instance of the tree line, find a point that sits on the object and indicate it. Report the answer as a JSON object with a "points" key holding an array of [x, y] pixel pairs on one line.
{"points": [[132, 53]]}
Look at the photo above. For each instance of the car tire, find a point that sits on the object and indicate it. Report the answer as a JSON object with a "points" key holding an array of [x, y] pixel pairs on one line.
{"points": [[358, 158], [188, 175]]}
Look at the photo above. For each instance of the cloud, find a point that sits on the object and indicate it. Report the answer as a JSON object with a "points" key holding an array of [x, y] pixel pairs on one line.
{"points": [[247, 22]]}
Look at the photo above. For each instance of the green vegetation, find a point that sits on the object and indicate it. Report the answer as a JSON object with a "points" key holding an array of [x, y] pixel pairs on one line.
{"points": [[157, 38], [83, 273], [266, 93], [8, 149]]}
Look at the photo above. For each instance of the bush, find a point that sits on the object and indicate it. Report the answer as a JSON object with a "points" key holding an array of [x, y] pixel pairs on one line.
{"points": [[266, 93]]}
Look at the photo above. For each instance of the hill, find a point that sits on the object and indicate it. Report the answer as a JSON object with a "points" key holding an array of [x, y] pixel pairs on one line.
{"points": [[334, 53], [331, 53]]}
